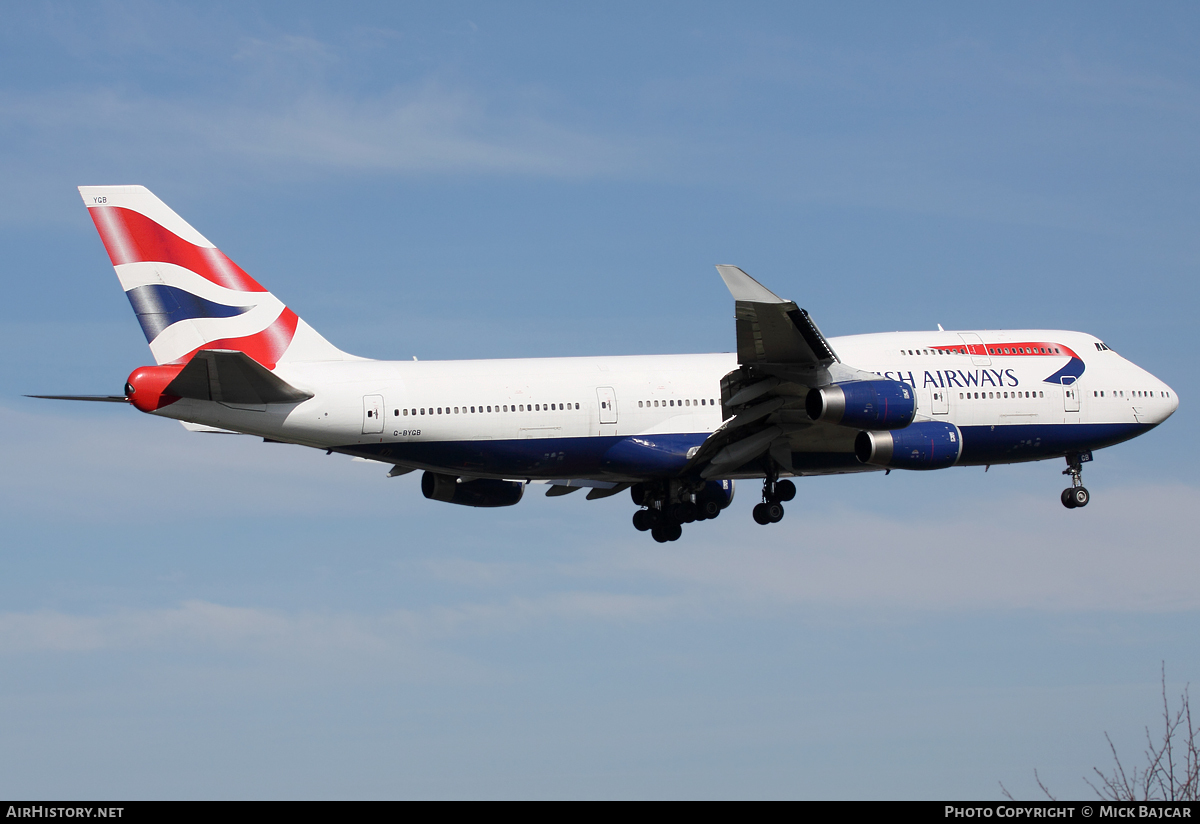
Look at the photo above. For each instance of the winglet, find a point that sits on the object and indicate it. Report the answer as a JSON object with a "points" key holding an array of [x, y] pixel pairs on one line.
{"points": [[744, 287]]}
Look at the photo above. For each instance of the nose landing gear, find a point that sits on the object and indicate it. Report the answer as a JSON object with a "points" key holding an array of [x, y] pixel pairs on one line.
{"points": [[1076, 495]]}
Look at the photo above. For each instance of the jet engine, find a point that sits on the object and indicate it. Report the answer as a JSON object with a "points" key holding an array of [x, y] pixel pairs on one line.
{"points": [[481, 492], [715, 492], [924, 445], [881, 404]]}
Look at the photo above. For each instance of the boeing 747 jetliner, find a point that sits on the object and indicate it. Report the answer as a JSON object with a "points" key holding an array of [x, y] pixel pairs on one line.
{"points": [[675, 430]]}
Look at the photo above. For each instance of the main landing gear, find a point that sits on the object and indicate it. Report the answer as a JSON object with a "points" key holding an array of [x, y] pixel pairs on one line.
{"points": [[1076, 495], [774, 493], [670, 505]]}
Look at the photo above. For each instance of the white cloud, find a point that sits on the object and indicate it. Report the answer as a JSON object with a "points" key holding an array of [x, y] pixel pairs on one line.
{"points": [[1130, 550], [197, 624], [414, 129], [1014, 554]]}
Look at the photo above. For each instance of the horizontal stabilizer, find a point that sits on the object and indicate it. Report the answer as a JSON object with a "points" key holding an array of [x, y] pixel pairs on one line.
{"points": [[232, 377], [93, 398]]}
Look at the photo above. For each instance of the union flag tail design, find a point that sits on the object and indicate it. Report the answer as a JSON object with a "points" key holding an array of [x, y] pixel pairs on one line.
{"points": [[186, 294]]}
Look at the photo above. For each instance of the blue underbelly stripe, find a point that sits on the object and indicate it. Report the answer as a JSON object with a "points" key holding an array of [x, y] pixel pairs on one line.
{"points": [[1035, 441], [660, 456]]}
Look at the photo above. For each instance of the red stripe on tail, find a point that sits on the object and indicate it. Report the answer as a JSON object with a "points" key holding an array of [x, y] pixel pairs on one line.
{"points": [[266, 347], [131, 237]]}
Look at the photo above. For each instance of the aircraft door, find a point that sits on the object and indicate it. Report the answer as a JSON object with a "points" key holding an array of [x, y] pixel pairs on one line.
{"points": [[979, 352], [372, 414], [608, 404], [941, 401], [1070, 394]]}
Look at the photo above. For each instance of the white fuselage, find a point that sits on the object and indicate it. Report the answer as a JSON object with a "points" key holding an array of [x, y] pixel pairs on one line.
{"points": [[511, 418]]}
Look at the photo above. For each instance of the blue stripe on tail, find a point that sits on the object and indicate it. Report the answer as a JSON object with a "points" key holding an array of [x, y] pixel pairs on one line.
{"points": [[157, 306]]}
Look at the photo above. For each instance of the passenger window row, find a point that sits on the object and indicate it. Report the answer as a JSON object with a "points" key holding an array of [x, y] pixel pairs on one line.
{"points": [[1000, 395], [475, 410], [1134, 393], [685, 402], [992, 350], [1025, 350]]}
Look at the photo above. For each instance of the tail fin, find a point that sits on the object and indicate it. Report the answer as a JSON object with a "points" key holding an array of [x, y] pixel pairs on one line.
{"points": [[186, 294]]}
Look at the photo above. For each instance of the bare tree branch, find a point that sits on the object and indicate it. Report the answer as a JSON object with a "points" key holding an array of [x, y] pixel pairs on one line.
{"points": [[1172, 766]]}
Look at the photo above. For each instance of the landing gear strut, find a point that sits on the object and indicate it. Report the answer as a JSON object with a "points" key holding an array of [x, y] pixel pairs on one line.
{"points": [[1076, 495], [770, 511]]}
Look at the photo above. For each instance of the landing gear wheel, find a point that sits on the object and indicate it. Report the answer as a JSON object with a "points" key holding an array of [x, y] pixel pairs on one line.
{"points": [[1076, 495], [710, 509], [774, 512], [785, 490], [760, 514], [643, 520], [673, 532], [683, 512], [659, 533]]}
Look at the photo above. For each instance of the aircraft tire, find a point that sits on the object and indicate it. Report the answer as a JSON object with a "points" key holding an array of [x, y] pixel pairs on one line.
{"points": [[760, 514], [785, 490], [674, 532], [710, 509], [643, 520], [1068, 498], [774, 512], [659, 533], [1080, 496]]}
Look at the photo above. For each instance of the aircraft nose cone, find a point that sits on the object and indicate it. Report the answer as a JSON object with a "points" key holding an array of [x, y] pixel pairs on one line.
{"points": [[1163, 406]]}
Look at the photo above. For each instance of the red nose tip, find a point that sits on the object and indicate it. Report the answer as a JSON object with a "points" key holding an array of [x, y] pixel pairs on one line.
{"points": [[146, 385]]}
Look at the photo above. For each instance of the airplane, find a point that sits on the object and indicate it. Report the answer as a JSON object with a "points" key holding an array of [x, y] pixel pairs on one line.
{"points": [[675, 430]]}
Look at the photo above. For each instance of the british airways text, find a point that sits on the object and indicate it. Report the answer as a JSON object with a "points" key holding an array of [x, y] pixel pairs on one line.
{"points": [[959, 378]]}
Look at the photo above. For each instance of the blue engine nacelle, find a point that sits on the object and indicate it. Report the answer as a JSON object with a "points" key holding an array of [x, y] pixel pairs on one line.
{"points": [[482, 492], [719, 491], [924, 445], [878, 404]]}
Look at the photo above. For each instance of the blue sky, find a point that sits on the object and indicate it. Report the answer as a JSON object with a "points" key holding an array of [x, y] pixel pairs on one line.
{"points": [[198, 616]]}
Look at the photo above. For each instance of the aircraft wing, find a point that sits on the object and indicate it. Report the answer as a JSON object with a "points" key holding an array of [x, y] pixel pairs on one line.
{"points": [[782, 355], [771, 330]]}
